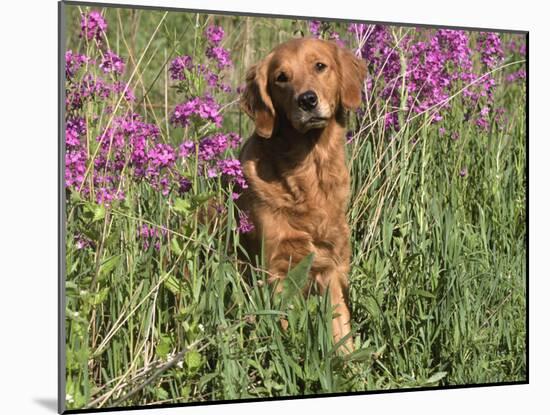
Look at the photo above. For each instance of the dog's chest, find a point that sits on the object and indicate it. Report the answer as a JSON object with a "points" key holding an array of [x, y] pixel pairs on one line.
{"points": [[315, 197]]}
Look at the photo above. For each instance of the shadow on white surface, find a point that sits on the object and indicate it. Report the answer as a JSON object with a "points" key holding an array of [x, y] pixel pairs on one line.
{"points": [[48, 403]]}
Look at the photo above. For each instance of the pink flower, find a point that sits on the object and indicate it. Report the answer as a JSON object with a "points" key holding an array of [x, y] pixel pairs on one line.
{"points": [[111, 62], [92, 25], [214, 35]]}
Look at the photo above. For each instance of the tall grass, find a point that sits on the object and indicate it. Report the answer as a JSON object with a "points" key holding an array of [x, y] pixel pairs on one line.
{"points": [[438, 273]]}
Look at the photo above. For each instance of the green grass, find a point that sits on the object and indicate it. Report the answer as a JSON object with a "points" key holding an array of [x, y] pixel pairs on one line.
{"points": [[438, 276]]}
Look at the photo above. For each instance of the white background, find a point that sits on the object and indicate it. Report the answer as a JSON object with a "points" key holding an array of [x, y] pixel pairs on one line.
{"points": [[28, 205]]}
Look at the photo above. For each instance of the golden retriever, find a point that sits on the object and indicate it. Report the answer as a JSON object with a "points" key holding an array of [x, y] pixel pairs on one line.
{"points": [[295, 164]]}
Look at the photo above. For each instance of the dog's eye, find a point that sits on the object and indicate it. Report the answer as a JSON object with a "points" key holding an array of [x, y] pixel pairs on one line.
{"points": [[282, 77], [320, 66]]}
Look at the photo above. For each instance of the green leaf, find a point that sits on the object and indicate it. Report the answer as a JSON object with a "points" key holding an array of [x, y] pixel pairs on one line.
{"points": [[185, 391], [267, 313], [164, 346], [108, 265], [161, 393], [75, 197], [372, 306], [436, 377], [176, 246], [423, 293], [205, 379], [297, 278], [193, 360], [99, 297], [182, 206], [174, 285], [202, 198], [361, 355], [99, 213]]}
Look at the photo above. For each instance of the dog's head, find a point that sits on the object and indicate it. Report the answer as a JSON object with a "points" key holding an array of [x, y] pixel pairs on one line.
{"points": [[305, 81]]}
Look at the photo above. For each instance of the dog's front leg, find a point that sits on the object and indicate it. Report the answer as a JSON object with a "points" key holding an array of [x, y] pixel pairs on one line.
{"points": [[335, 281]]}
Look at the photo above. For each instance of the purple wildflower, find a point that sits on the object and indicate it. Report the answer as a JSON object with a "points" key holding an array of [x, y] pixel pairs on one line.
{"points": [[232, 168], [514, 47], [204, 108], [488, 43], [131, 143], [315, 27], [245, 224], [516, 76], [212, 79], [111, 62], [483, 120], [178, 66], [73, 62], [214, 35], [151, 234], [92, 25], [105, 195], [161, 155], [89, 88], [120, 87], [75, 167], [220, 55], [184, 185], [74, 129], [212, 146], [82, 241], [187, 148]]}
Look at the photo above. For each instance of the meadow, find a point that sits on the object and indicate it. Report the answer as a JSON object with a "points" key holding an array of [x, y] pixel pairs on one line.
{"points": [[158, 308]]}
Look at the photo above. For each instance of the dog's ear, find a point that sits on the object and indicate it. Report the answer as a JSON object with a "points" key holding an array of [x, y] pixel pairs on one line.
{"points": [[353, 71], [255, 99]]}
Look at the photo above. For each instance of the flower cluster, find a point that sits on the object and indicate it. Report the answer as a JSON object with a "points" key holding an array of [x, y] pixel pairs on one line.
{"points": [[490, 48], [127, 144], [81, 241], [73, 62], [75, 167], [151, 236], [210, 152], [111, 62], [178, 66], [76, 155], [129, 148], [220, 55], [91, 86], [214, 36], [438, 65], [245, 224], [516, 76], [218, 59], [210, 147], [133, 144], [105, 156], [75, 128], [92, 25], [197, 109]]}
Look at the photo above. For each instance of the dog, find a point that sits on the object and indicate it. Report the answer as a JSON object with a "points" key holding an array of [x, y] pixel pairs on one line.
{"points": [[295, 166]]}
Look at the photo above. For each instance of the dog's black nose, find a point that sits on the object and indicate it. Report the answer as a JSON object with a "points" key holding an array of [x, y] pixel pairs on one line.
{"points": [[308, 100]]}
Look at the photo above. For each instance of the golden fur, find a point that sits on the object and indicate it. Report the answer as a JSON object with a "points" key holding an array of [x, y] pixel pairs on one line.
{"points": [[295, 164]]}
